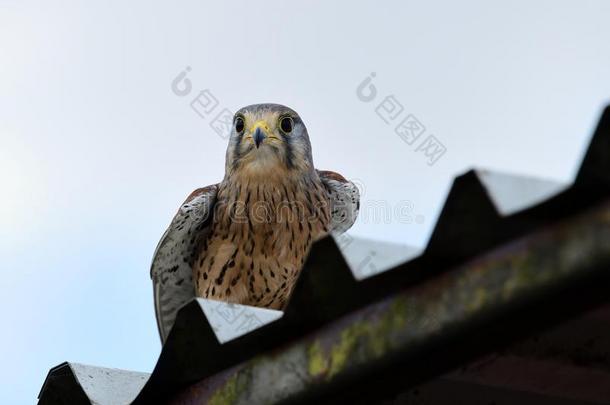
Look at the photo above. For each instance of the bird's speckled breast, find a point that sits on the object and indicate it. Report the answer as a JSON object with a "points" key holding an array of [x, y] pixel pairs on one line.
{"points": [[260, 237]]}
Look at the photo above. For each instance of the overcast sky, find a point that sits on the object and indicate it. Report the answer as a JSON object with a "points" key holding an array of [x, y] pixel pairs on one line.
{"points": [[97, 151]]}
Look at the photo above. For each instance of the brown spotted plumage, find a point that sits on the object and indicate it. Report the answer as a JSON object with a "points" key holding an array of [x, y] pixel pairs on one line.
{"points": [[254, 256], [245, 239]]}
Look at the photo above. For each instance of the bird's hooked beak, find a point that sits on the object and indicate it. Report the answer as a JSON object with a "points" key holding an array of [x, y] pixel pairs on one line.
{"points": [[259, 132]]}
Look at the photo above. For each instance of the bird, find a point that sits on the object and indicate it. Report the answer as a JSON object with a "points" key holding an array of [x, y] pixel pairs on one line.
{"points": [[245, 240]]}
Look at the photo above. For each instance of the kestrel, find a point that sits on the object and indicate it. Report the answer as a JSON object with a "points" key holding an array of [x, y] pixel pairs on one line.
{"points": [[245, 239]]}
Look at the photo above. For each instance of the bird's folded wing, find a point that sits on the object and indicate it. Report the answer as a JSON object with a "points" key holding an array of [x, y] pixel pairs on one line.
{"points": [[171, 270], [344, 201]]}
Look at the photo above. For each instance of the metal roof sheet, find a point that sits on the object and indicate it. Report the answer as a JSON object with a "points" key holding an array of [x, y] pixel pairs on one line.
{"points": [[75, 383]]}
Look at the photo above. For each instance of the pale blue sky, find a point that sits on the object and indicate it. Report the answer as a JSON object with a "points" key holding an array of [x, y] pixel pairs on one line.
{"points": [[96, 152]]}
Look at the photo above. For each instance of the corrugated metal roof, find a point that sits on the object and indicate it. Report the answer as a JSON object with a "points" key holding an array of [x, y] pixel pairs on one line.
{"points": [[491, 252], [424, 318], [74, 383]]}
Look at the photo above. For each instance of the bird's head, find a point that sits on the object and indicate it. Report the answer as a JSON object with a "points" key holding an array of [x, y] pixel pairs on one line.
{"points": [[268, 140]]}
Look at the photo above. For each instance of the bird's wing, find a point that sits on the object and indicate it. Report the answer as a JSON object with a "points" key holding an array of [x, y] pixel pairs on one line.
{"points": [[171, 270], [344, 201]]}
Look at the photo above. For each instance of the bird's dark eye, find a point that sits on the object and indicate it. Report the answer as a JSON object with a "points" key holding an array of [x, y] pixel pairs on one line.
{"points": [[286, 124], [239, 125]]}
